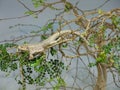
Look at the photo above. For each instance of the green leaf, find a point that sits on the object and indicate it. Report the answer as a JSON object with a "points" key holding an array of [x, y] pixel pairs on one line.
{"points": [[64, 45], [13, 66], [92, 39], [92, 64], [100, 11], [38, 61], [43, 37], [99, 59], [53, 51], [20, 82], [107, 48], [47, 27], [60, 83], [50, 25], [102, 27], [38, 3], [68, 6], [29, 12], [116, 20]]}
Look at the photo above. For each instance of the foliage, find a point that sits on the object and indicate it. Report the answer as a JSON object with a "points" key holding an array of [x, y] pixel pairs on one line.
{"points": [[38, 3], [52, 68], [6, 62]]}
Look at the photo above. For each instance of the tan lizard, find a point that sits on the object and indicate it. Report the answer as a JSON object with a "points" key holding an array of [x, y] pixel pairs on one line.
{"points": [[53, 40]]}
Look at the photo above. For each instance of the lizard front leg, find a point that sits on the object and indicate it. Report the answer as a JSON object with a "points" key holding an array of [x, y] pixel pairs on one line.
{"points": [[35, 50]]}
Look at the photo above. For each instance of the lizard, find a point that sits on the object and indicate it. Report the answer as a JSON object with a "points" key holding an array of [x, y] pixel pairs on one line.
{"points": [[51, 41]]}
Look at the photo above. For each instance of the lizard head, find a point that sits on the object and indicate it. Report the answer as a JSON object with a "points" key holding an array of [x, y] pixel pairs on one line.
{"points": [[23, 48]]}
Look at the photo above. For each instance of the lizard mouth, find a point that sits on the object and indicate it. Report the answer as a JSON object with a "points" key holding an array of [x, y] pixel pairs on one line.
{"points": [[37, 55]]}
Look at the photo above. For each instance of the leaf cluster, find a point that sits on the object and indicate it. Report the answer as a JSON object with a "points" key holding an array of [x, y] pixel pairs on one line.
{"points": [[42, 70], [38, 3], [6, 59]]}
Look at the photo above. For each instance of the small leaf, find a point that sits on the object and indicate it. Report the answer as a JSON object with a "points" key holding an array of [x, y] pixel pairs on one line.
{"points": [[112, 61], [43, 37], [46, 27], [100, 11], [37, 3], [102, 27], [50, 25], [53, 51], [64, 45], [92, 64], [19, 82], [29, 13], [115, 20], [68, 6]]}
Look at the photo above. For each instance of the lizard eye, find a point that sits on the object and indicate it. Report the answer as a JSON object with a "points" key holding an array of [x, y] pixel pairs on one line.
{"points": [[58, 38]]}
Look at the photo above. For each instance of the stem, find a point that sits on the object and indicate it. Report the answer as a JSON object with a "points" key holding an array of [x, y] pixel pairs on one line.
{"points": [[23, 78], [101, 78]]}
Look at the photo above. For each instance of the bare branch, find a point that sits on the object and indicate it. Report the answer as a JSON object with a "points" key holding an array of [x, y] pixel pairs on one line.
{"points": [[24, 5]]}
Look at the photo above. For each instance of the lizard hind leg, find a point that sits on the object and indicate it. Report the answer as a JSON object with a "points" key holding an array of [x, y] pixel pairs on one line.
{"points": [[35, 52]]}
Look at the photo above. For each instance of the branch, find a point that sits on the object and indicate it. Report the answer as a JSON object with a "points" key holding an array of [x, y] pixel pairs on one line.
{"points": [[19, 17], [100, 6], [24, 5]]}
